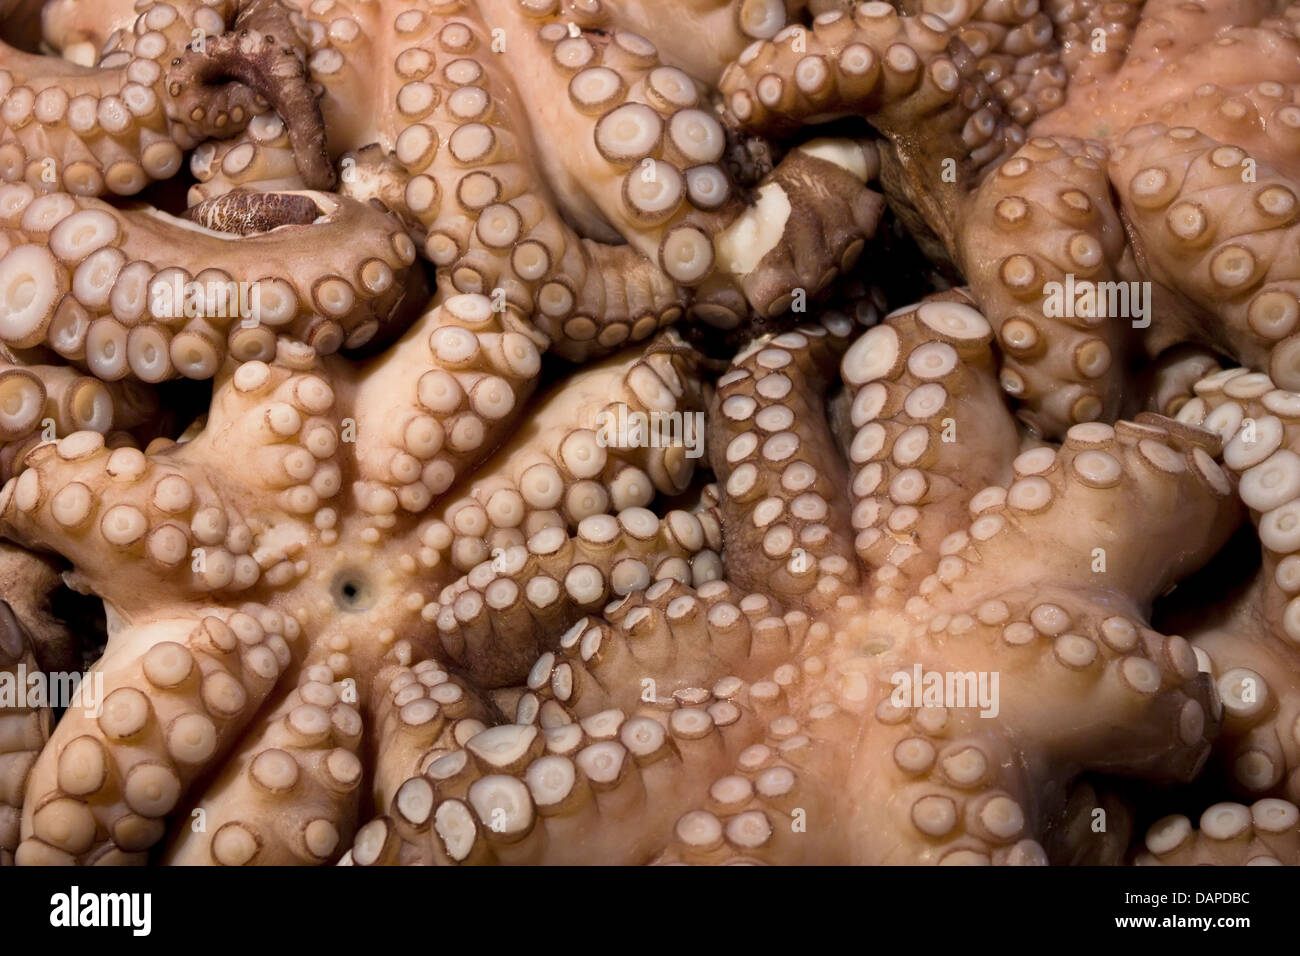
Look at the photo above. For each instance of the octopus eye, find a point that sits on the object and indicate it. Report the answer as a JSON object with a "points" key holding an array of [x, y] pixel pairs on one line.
{"points": [[352, 591]]}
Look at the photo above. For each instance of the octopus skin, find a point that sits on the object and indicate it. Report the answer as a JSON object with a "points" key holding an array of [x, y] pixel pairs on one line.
{"points": [[771, 734], [32, 640], [417, 606], [171, 76], [551, 154], [1126, 142], [308, 580], [134, 292], [23, 733], [1253, 649]]}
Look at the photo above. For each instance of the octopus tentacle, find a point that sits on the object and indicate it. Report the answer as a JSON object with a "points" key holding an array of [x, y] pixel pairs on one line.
{"points": [[484, 363], [896, 71], [1173, 377], [484, 218], [1022, 52], [657, 645], [869, 60], [771, 807], [1075, 24], [582, 692], [115, 127], [707, 34], [1179, 56], [464, 370], [23, 730], [133, 293], [967, 802], [809, 223], [1229, 834], [1255, 674], [1220, 237], [773, 782], [493, 622], [519, 793], [260, 158], [105, 508], [648, 163], [178, 690], [259, 60], [41, 402], [965, 604], [455, 146], [617, 296], [1041, 222], [784, 508], [290, 797], [960, 797], [637, 130], [575, 461], [1255, 651], [926, 430], [420, 713]]}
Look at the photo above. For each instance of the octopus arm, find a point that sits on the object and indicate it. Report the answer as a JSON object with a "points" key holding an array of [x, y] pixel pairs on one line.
{"points": [[570, 462], [178, 691], [118, 125], [290, 794], [926, 430], [24, 729], [784, 504], [131, 293], [584, 786], [1043, 236], [1219, 226], [1266, 833], [1254, 650]]}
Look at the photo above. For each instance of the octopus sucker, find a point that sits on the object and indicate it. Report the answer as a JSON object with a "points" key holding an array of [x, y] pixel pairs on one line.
{"points": [[792, 432]]}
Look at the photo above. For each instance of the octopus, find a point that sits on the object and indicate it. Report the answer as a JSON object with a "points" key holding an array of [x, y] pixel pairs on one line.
{"points": [[1137, 146], [576, 491]]}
